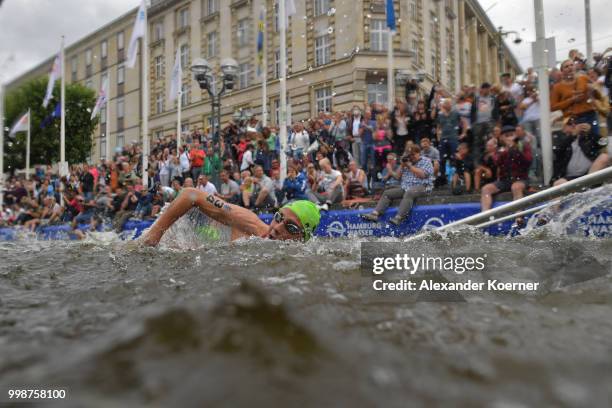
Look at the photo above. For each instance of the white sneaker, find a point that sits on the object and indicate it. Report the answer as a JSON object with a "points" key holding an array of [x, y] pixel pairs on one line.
{"points": [[323, 207]]}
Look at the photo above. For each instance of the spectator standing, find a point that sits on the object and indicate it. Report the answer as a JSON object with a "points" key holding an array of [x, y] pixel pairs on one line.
{"points": [[400, 125], [354, 134], [448, 124], [571, 95], [196, 159], [484, 116]]}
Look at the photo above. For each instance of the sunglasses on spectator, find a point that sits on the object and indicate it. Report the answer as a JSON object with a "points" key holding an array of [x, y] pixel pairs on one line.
{"points": [[292, 228]]}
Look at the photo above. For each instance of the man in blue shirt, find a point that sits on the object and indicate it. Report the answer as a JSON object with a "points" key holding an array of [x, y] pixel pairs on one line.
{"points": [[294, 186], [417, 181]]}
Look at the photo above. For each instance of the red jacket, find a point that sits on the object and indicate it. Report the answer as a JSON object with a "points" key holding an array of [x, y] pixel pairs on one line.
{"points": [[513, 164]]}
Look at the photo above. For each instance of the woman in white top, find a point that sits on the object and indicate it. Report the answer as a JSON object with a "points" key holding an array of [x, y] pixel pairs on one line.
{"points": [[164, 168]]}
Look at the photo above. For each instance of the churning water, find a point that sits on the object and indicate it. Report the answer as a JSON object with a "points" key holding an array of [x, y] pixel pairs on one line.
{"points": [[261, 323]]}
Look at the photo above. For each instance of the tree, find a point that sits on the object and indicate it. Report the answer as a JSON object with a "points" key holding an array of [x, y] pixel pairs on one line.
{"points": [[45, 142]]}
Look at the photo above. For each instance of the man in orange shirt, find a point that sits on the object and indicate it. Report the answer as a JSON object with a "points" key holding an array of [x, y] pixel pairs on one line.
{"points": [[572, 96], [196, 157]]}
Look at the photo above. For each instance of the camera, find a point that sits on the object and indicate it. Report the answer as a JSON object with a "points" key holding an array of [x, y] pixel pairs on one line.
{"points": [[405, 159]]}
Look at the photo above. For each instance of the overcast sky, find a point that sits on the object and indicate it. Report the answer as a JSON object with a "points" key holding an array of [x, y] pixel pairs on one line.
{"points": [[30, 30]]}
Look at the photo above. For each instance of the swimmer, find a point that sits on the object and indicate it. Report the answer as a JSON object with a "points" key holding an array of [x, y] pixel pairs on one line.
{"points": [[294, 221]]}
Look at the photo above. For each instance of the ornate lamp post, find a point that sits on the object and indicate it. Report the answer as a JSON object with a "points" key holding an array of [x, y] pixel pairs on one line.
{"points": [[202, 73]]}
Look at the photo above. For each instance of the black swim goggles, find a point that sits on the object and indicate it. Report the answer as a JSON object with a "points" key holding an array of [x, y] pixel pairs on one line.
{"points": [[292, 227]]}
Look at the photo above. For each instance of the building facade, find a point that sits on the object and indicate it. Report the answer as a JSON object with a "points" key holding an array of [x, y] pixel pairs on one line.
{"points": [[336, 58]]}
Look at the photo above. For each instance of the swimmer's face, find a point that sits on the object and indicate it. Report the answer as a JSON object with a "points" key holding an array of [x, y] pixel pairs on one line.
{"points": [[278, 230]]}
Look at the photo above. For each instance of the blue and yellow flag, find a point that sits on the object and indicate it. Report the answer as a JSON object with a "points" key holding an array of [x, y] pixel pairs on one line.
{"points": [[260, 43], [390, 15]]}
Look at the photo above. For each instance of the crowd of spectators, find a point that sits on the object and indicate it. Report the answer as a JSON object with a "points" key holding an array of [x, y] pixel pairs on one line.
{"points": [[484, 139]]}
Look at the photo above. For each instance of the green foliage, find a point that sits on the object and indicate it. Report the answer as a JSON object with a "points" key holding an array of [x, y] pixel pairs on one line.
{"points": [[45, 143]]}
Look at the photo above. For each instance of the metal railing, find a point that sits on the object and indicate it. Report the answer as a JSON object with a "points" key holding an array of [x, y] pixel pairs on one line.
{"points": [[490, 217]]}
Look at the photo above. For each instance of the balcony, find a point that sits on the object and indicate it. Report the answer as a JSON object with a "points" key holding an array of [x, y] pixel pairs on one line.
{"points": [[209, 17], [159, 43], [182, 30]]}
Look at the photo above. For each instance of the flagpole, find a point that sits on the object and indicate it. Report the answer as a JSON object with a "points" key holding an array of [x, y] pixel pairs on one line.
{"points": [[1, 147], [283, 87], [145, 103], [28, 148], [390, 80], [264, 78], [63, 164], [178, 117]]}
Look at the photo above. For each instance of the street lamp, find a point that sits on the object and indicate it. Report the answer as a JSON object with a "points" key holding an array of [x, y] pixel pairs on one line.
{"points": [[500, 49], [202, 73]]}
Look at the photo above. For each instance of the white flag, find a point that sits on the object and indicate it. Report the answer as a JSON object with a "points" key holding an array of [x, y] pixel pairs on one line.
{"points": [[289, 11], [102, 98], [20, 126], [140, 25], [55, 73], [177, 73]]}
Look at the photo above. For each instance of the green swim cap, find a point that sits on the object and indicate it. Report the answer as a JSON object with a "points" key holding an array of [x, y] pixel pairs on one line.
{"points": [[308, 214]]}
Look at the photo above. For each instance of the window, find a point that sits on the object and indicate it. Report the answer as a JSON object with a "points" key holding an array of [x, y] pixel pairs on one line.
{"points": [[120, 108], [378, 35], [433, 65], [433, 25], [377, 93], [211, 44], [158, 31], [103, 115], [88, 57], [243, 76], [276, 108], [323, 99], [74, 64], [159, 103], [104, 49], [242, 33], [102, 147], [184, 56], [184, 94], [415, 50], [159, 67], [120, 41], [89, 84], [103, 79], [120, 74], [277, 64], [119, 142], [212, 6], [276, 27], [183, 18], [321, 7], [322, 50], [413, 11], [184, 128]]}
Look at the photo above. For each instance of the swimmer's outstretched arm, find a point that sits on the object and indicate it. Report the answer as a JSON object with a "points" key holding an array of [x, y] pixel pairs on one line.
{"points": [[229, 214]]}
